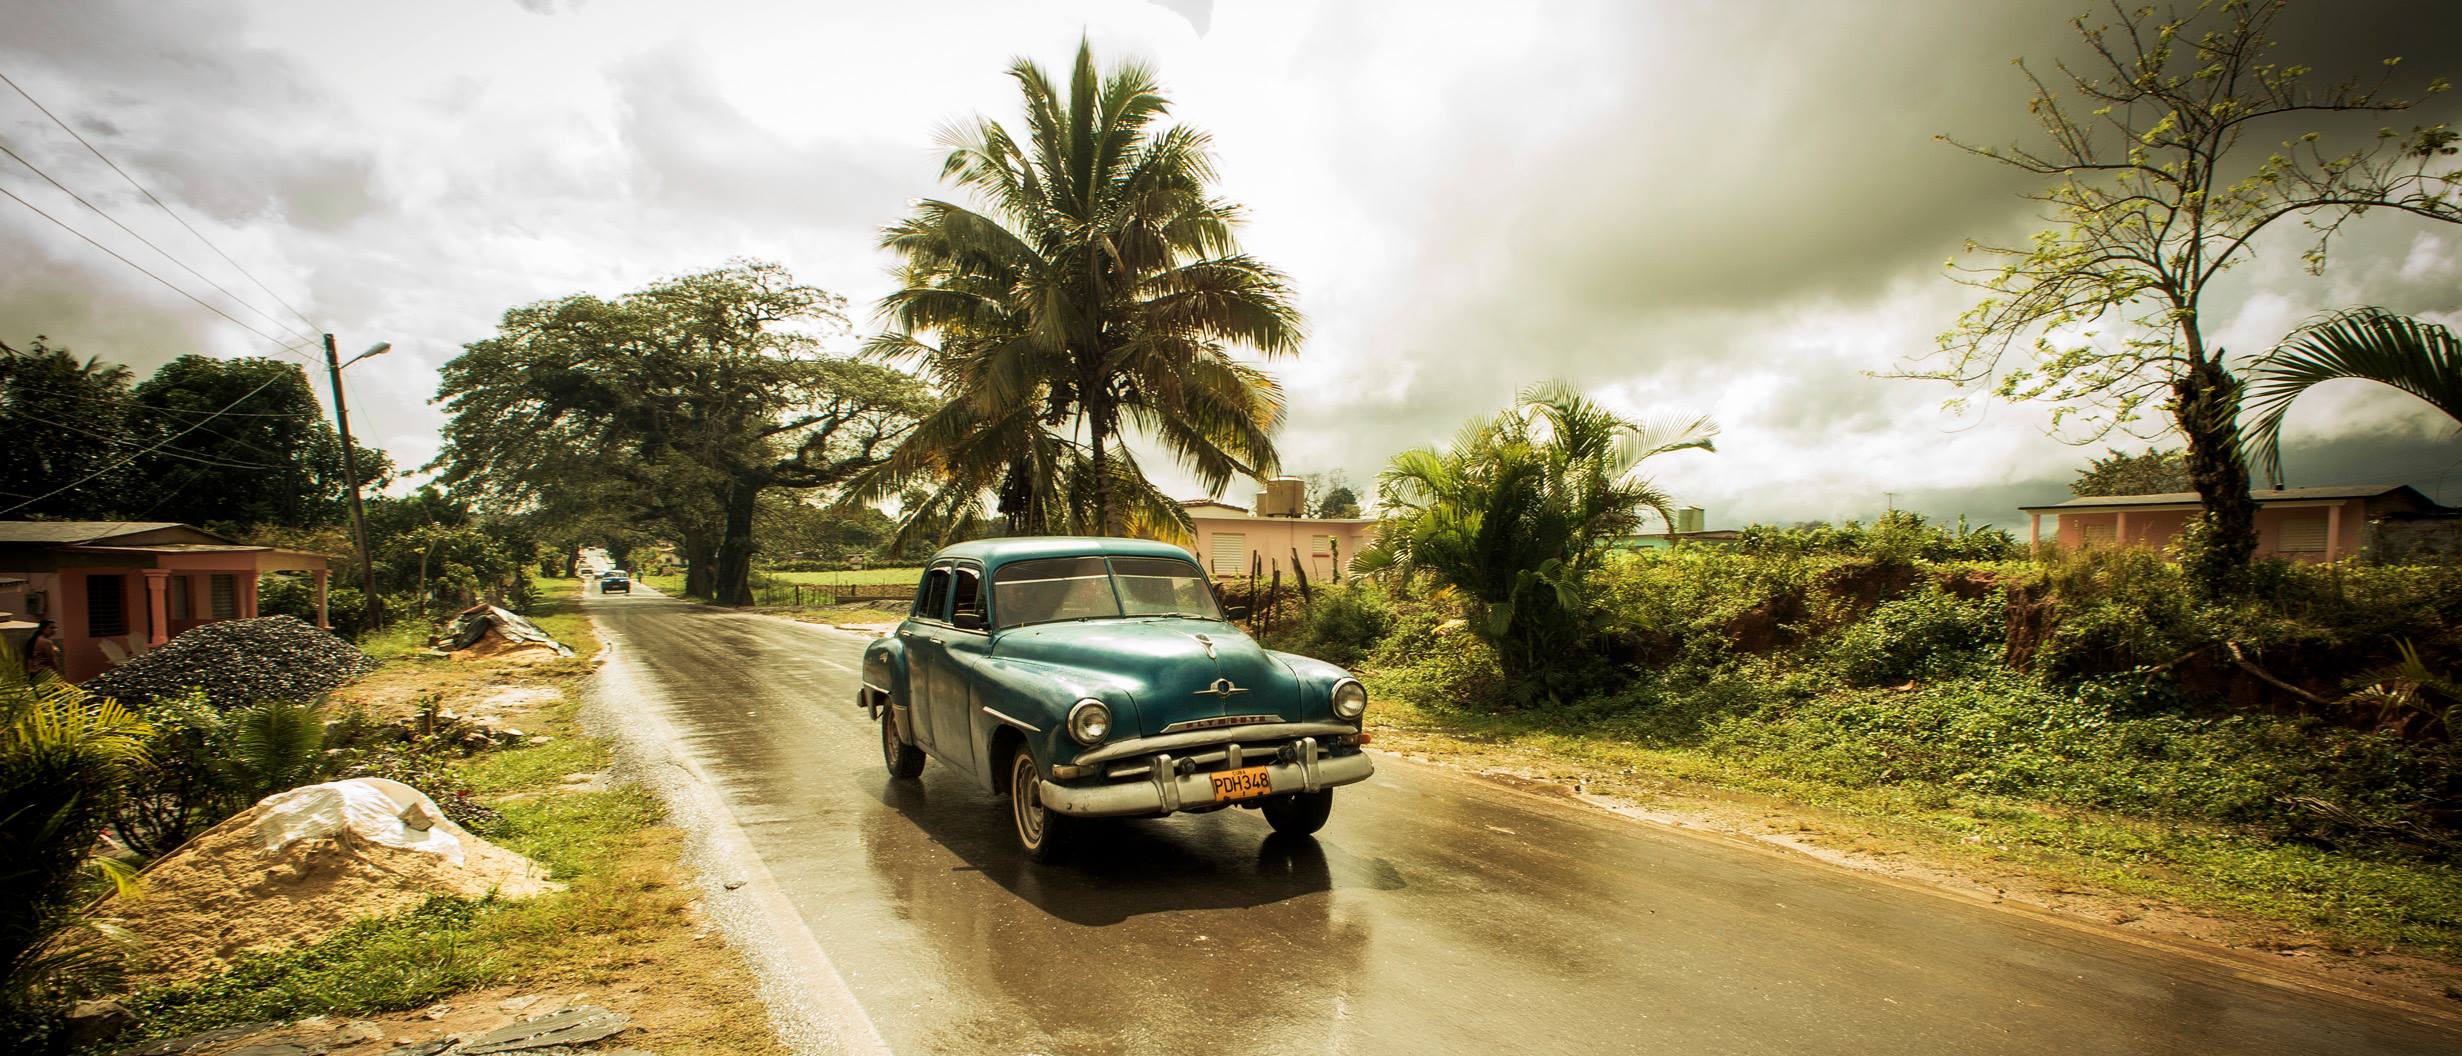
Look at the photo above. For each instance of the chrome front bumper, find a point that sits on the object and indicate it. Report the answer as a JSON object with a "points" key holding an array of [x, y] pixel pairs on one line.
{"points": [[1165, 790]]}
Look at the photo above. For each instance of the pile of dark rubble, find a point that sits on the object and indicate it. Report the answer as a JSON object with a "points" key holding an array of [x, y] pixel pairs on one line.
{"points": [[238, 663]]}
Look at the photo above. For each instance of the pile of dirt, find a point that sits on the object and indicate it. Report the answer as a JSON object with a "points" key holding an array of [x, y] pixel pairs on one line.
{"points": [[301, 864], [239, 662]]}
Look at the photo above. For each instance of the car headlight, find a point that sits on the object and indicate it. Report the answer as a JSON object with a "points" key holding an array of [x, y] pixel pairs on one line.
{"points": [[1090, 721], [1350, 698]]}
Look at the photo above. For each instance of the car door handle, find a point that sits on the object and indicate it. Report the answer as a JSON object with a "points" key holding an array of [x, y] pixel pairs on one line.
{"points": [[904, 633], [935, 640]]}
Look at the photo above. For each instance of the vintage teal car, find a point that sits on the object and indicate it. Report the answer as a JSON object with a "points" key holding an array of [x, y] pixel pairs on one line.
{"points": [[1093, 677]]}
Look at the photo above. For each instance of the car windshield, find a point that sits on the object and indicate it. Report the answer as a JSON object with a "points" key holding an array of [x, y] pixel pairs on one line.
{"points": [[1091, 588]]}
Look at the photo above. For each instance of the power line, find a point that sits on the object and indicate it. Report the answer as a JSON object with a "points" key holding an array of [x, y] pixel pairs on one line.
{"points": [[166, 442], [174, 452], [115, 255], [158, 203], [67, 394], [149, 243]]}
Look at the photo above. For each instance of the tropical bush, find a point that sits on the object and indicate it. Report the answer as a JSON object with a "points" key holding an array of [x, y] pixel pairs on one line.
{"points": [[1898, 535], [1515, 514], [64, 753], [346, 606], [1928, 634], [203, 764], [1340, 624]]}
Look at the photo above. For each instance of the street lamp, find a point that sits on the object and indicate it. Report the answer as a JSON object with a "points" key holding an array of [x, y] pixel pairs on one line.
{"points": [[350, 469]]}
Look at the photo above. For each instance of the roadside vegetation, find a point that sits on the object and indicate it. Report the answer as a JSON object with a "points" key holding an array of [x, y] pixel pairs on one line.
{"points": [[2285, 754], [160, 771]]}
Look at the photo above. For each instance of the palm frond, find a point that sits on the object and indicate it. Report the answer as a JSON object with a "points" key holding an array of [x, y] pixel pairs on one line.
{"points": [[2367, 344]]}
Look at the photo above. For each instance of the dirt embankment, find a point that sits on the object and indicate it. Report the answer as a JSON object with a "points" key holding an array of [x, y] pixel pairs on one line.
{"points": [[299, 866]]}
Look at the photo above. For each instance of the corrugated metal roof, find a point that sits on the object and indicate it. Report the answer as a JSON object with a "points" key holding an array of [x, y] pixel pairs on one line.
{"points": [[78, 531], [2189, 498]]}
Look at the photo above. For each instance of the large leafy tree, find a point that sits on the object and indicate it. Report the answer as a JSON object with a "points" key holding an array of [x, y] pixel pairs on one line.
{"points": [[1517, 512], [237, 443], [697, 394], [64, 431], [2168, 150], [2363, 344], [1093, 286], [2155, 471], [241, 442]]}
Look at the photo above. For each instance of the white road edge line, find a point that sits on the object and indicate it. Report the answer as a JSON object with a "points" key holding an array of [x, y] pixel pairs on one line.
{"points": [[810, 1004]]}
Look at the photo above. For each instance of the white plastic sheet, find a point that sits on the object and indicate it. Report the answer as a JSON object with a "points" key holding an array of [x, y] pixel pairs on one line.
{"points": [[370, 808]]}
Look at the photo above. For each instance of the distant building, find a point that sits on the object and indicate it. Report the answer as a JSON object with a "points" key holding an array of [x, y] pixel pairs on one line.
{"points": [[2300, 524], [1687, 529], [119, 588], [1232, 540]]}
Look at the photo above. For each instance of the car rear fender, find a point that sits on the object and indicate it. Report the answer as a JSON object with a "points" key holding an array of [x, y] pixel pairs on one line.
{"points": [[884, 678]]}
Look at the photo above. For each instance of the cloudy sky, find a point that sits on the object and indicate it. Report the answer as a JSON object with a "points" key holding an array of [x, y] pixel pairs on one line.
{"points": [[1734, 208]]}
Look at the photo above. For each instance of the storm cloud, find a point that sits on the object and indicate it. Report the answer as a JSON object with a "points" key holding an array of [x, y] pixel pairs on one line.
{"points": [[1734, 208]]}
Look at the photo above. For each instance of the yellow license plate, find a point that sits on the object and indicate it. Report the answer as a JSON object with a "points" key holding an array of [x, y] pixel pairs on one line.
{"points": [[1241, 784]]}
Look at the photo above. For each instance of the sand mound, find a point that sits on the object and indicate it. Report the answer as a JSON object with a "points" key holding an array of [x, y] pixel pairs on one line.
{"points": [[299, 865]]}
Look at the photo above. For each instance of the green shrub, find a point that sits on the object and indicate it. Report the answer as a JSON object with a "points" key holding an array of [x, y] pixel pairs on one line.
{"points": [[2118, 609], [346, 606], [1341, 625], [64, 754], [1928, 634], [2116, 745], [1898, 536], [1431, 660]]}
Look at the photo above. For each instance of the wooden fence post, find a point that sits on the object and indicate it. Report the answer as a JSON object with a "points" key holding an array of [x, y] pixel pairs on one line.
{"points": [[1299, 571], [1271, 593], [1256, 580]]}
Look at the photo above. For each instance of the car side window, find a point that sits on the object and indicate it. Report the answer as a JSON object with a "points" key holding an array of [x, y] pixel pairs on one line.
{"points": [[967, 591], [934, 604]]}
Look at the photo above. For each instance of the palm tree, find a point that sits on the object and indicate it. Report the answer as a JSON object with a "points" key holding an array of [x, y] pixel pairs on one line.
{"points": [[1097, 289], [1517, 512], [2369, 344]]}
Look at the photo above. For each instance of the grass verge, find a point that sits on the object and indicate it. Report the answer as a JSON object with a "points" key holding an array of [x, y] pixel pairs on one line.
{"points": [[2347, 902], [626, 928]]}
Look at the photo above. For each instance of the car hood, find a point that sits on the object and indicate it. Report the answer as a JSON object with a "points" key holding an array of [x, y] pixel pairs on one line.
{"points": [[1173, 672]]}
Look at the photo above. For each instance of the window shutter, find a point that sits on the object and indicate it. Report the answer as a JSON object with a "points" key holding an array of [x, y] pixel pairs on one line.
{"points": [[2303, 534], [226, 596], [1230, 553]]}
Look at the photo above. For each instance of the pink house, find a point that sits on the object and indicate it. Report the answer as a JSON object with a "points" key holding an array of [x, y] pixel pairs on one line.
{"points": [[2300, 524], [1232, 540], [119, 588]]}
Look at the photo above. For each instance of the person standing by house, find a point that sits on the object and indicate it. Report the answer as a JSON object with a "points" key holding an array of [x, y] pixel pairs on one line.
{"points": [[43, 653]]}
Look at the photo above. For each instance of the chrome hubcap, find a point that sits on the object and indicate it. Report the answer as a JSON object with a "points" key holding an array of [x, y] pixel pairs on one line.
{"points": [[1025, 796]]}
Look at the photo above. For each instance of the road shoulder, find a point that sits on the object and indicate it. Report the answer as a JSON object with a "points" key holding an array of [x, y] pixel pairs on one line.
{"points": [[1913, 858]]}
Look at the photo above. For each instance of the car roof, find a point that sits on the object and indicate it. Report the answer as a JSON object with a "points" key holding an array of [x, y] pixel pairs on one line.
{"points": [[993, 553]]}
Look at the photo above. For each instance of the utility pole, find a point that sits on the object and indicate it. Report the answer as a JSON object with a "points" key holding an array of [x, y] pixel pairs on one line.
{"points": [[350, 467]]}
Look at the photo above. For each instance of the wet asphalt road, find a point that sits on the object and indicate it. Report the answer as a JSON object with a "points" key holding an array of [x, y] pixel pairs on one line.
{"points": [[1434, 914]]}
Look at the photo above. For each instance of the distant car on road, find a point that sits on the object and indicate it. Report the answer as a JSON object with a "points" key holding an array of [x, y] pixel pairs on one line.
{"points": [[1088, 677], [615, 583]]}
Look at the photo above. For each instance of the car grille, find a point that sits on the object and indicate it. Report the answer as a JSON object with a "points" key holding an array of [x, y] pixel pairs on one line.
{"points": [[1225, 757]]}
